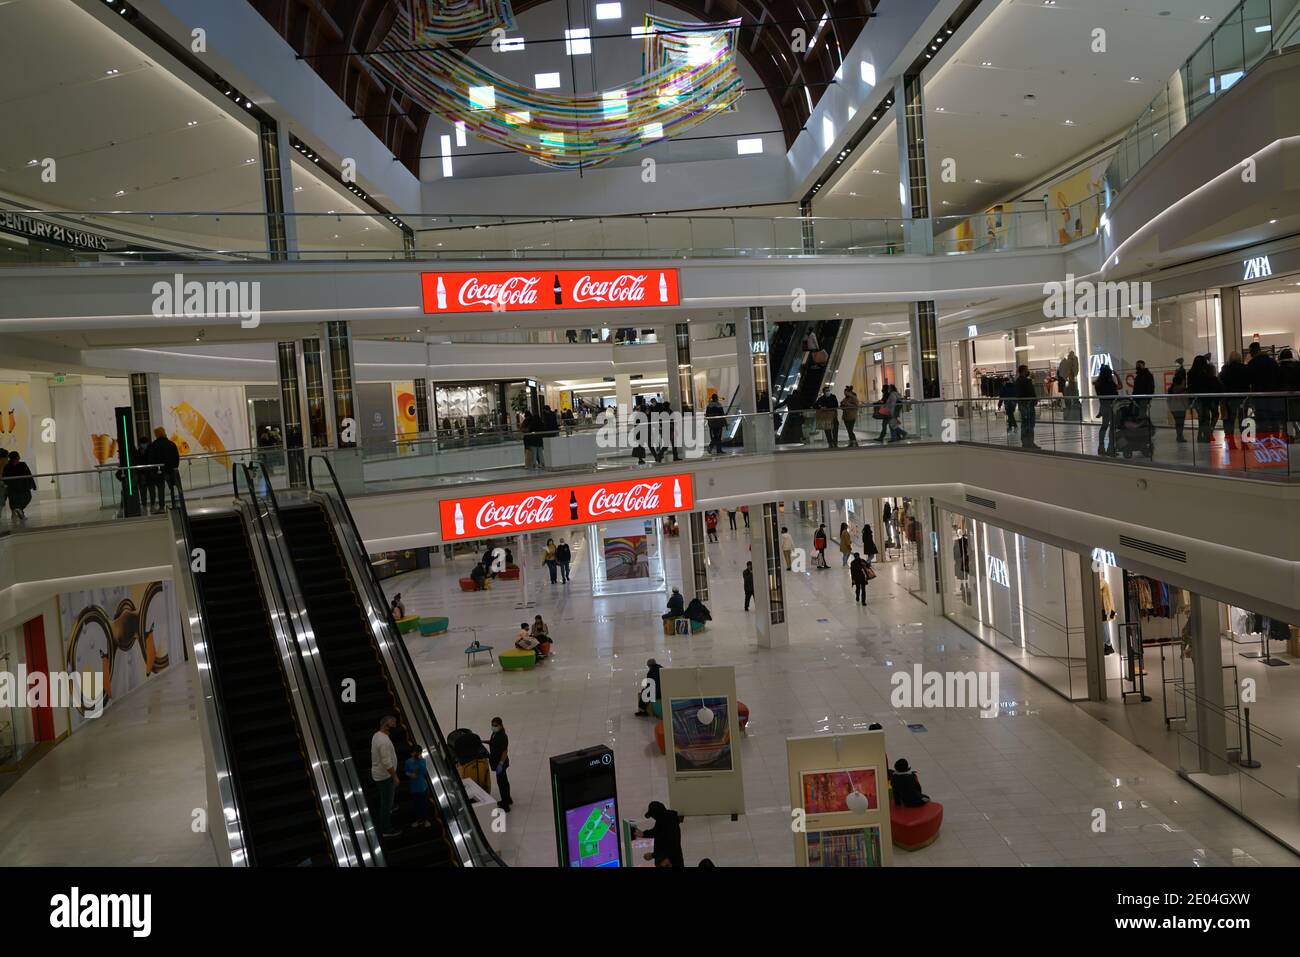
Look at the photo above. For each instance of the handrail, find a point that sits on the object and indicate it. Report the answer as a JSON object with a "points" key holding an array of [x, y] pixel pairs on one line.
{"points": [[301, 646], [226, 783], [446, 765]]}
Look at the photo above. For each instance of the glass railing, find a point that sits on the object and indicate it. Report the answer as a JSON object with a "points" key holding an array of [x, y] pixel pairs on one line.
{"points": [[1238, 435], [233, 237], [1252, 31]]}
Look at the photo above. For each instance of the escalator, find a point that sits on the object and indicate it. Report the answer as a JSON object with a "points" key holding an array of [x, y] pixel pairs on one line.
{"points": [[278, 797], [342, 628], [796, 383]]}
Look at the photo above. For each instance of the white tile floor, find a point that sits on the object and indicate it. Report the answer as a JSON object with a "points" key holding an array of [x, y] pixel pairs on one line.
{"points": [[1018, 789]]}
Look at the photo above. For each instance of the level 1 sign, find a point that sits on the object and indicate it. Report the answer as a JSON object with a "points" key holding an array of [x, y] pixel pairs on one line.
{"points": [[448, 292], [510, 512]]}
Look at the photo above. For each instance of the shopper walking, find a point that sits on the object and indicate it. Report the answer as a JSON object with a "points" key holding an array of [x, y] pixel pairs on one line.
{"points": [[1235, 378], [827, 406], [1027, 400], [499, 761], [846, 544], [849, 406], [549, 559], [868, 543], [731, 518], [747, 577], [787, 546], [648, 693], [1178, 401], [417, 783], [164, 454], [563, 556], [383, 771], [859, 572], [19, 485], [885, 409], [819, 546], [1204, 384], [1106, 386], [744, 514], [666, 834], [711, 524]]}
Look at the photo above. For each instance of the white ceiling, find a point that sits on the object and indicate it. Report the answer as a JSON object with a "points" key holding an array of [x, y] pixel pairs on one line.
{"points": [[124, 141], [978, 115]]}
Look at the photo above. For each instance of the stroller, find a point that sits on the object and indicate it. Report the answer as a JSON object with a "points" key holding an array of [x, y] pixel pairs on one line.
{"points": [[471, 757], [1133, 429]]}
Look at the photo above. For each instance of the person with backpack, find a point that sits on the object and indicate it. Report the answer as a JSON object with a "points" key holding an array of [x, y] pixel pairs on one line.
{"points": [[906, 786], [819, 546], [1106, 386]]}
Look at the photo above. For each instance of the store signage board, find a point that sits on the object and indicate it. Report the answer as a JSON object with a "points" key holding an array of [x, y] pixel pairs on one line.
{"points": [[1257, 267], [56, 233], [509, 513], [483, 291], [878, 356]]}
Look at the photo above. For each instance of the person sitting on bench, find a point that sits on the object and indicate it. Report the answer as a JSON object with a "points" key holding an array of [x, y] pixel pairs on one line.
{"points": [[399, 610], [543, 636], [907, 788], [525, 641], [479, 574], [676, 605]]}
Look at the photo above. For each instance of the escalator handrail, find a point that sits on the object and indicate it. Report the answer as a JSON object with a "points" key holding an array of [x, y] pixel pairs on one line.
{"points": [[227, 784], [298, 654], [443, 757]]}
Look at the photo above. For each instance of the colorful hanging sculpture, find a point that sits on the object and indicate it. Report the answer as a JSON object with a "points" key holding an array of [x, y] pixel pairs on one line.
{"points": [[689, 73]]}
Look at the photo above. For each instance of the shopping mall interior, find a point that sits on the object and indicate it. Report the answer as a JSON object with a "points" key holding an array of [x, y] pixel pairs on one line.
{"points": [[747, 433]]}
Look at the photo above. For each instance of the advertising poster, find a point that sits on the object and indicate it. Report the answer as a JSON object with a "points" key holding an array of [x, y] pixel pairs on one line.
{"points": [[827, 792], [626, 557], [98, 403], [125, 634], [700, 747], [408, 422], [203, 419], [845, 847], [16, 428]]}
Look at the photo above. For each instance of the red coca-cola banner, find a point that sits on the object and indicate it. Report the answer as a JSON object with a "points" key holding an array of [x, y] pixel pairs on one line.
{"points": [[475, 291], [511, 512]]}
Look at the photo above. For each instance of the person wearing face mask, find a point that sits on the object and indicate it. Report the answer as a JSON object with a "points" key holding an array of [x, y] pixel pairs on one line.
{"points": [[499, 758]]}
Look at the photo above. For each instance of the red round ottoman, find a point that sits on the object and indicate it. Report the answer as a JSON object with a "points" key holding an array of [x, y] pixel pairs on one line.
{"points": [[742, 714], [915, 827], [659, 737]]}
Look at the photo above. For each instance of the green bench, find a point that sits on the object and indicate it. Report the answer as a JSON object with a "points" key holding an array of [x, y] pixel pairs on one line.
{"points": [[517, 659], [433, 626]]}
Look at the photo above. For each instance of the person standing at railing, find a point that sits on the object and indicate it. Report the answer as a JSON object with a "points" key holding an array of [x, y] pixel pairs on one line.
{"points": [[1106, 386], [19, 485], [827, 406], [1178, 401], [1144, 386], [1204, 383], [886, 409], [1233, 378], [1265, 376], [1007, 399], [164, 454], [1027, 397], [849, 406], [149, 480], [716, 418]]}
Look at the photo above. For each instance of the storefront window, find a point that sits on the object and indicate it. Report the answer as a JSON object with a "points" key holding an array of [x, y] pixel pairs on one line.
{"points": [[1021, 597], [1270, 315]]}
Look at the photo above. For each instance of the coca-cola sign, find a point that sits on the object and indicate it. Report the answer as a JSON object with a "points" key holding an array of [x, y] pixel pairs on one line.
{"points": [[506, 513], [487, 291]]}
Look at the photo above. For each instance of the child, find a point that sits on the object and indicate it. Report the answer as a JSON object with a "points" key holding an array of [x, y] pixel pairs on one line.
{"points": [[417, 776], [525, 641]]}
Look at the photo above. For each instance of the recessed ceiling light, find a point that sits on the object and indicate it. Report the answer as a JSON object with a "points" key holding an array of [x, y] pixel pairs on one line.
{"points": [[1019, 156], [1272, 221], [1049, 3], [979, 181], [939, 109], [876, 171], [546, 81], [249, 160], [33, 162], [946, 203], [577, 42], [297, 189], [855, 194], [112, 72], [609, 11], [1135, 79], [986, 63], [192, 123], [120, 192], [1068, 123], [1204, 18]]}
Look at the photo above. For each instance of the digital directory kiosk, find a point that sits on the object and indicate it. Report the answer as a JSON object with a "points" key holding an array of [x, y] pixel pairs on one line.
{"points": [[585, 799]]}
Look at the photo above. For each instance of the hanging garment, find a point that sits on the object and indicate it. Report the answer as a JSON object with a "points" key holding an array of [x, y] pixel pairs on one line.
{"points": [[1107, 602], [1143, 596], [961, 557]]}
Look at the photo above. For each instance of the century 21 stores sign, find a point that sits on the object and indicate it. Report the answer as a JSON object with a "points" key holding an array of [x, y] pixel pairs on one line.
{"points": [[447, 292], [511, 512]]}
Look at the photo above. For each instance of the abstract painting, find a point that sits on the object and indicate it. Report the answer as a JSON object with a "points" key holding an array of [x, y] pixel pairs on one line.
{"points": [[845, 847], [827, 791], [699, 747]]}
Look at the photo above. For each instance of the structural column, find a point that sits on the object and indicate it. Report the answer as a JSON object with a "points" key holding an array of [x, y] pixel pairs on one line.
{"points": [[681, 380], [1094, 639], [291, 412], [1230, 325], [690, 543], [1207, 667], [277, 190], [146, 405], [755, 378], [769, 587]]}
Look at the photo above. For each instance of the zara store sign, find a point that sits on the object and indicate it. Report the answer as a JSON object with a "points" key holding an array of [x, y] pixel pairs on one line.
{"points": [[1257, 267]]}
